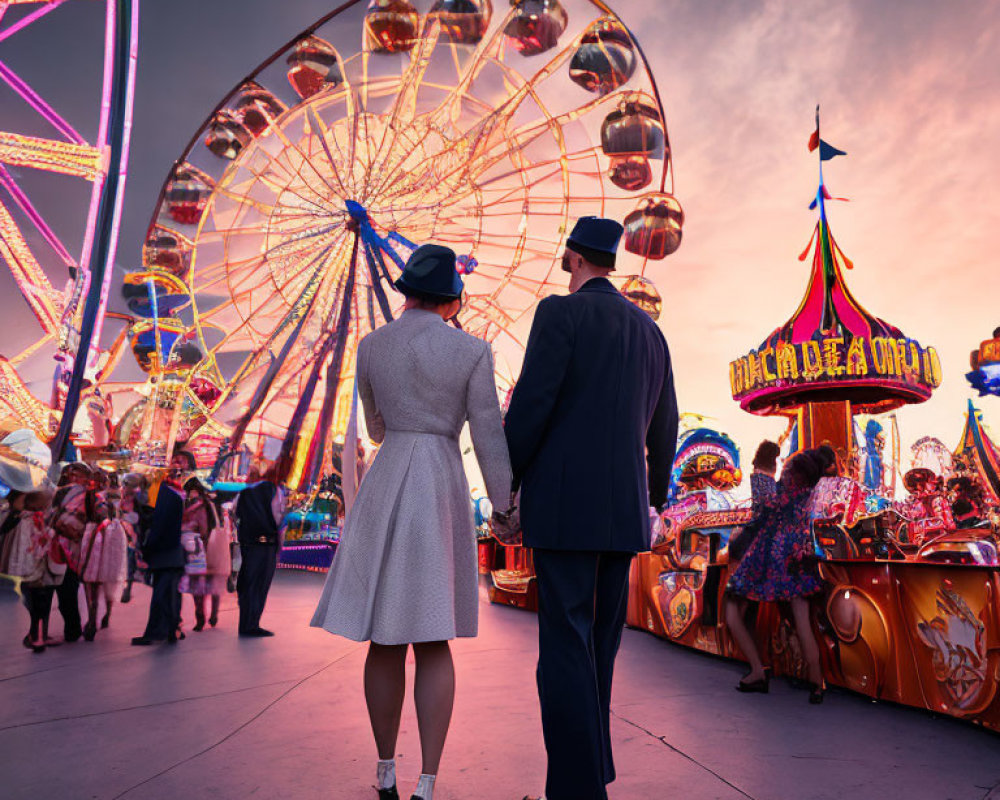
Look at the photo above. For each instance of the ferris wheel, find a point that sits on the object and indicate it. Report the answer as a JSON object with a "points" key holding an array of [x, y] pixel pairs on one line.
{"points": [[280, 229], [78, 167], [933, 454]]}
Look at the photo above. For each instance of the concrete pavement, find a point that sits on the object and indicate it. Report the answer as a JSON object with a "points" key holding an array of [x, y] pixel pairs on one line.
{"points": [[221, 717]]}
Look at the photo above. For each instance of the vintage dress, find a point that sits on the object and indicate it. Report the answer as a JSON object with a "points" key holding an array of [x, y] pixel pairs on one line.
{"points": [[775, 566], [27, 551], [104, 554], [405, 570], [763, 488], [198, 578]]}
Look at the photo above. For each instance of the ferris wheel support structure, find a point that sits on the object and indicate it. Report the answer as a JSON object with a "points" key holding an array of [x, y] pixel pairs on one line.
{"points": [[121, 57]]}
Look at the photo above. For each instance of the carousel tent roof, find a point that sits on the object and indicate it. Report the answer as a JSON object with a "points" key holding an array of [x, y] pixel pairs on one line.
{"points": [[832, 348], [978, 451]]}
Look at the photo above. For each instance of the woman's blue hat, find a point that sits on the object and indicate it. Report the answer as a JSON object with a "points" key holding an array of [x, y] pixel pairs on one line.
{"points": [[430, 274], [596, 239]]}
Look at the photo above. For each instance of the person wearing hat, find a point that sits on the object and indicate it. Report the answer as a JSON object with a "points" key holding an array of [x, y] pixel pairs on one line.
{"points": [[592, 428], [405, 572]]}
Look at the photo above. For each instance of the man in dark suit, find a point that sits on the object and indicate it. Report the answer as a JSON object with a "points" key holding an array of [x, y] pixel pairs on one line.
{"points": [[164, 555], [260, 513], [592, 428]]}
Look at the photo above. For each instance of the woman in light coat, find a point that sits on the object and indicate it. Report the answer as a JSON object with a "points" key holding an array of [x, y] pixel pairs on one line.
{"points": [[405, 571], [103, 559]]}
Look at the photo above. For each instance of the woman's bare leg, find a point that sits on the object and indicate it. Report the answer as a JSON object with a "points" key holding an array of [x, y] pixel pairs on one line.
{"points": [[385, 688], [434, 693], [810, 649], [735, 609], [91, 592], [107, 589]]}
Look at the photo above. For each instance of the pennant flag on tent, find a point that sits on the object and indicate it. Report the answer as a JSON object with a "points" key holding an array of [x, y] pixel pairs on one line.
{"points": [[826, 150], [826, 196], [814, 139]]}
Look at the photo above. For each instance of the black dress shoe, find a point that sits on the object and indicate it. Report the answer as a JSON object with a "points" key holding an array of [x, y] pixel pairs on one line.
{"points": [[816, 692], [258, 633], [141, 641], [759, 687], [388, 794]]}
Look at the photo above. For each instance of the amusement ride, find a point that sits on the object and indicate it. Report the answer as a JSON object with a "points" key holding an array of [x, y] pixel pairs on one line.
{"points": [[489, 126], [66, 284]]}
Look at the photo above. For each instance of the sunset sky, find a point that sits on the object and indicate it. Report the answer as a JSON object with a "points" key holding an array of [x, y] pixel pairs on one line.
{"points": [[909, 88]]}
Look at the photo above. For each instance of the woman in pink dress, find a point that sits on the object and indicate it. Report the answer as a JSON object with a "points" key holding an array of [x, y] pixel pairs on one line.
{"points": [[201, 576], [103, 558]]}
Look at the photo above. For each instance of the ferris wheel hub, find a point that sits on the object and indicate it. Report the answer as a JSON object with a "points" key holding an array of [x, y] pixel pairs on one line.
{"points": [[358, 213]]}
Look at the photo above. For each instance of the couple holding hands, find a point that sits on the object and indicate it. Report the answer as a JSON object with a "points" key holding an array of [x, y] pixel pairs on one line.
{"points": [[588, 440]]}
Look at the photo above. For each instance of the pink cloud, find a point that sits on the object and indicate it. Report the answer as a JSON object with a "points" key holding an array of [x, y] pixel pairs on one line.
{"points": [[910, 91]]}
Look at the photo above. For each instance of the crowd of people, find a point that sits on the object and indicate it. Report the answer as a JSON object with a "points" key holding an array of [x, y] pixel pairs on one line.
{"points": [[103, 531]]}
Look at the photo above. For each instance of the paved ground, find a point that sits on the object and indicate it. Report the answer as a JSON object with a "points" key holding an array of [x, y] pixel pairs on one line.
{"points": [[220, 717]]}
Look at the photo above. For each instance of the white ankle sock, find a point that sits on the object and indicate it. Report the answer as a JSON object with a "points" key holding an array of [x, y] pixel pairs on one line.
{"points": [[425, 787], [386, 774]]}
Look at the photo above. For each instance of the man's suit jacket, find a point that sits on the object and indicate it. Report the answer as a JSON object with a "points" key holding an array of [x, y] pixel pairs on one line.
{"points": [[162, 548], [594, 405]]}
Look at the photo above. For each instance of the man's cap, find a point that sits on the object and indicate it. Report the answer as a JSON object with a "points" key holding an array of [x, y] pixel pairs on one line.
{"points": [[596, 239]]}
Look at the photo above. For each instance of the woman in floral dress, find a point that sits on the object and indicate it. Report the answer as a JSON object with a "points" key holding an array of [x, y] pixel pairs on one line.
{"points": [[763, 488], [776, 568]]}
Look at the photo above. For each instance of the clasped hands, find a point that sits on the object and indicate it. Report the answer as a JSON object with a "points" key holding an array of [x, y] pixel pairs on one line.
{"points": [[506, 525]]}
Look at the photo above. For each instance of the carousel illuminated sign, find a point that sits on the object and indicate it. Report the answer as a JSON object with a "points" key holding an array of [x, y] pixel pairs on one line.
{"points": [[835, 359]]}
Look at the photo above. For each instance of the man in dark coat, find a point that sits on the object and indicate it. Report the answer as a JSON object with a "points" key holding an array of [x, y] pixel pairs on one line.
{"points": [[592, 429], [260, 511], [164, 555]]}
